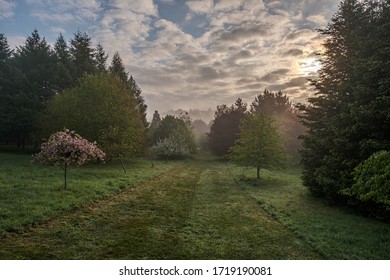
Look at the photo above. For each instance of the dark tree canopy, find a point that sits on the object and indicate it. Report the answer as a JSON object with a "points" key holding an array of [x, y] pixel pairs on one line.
{"points": [[349, 118], [225, 127]]}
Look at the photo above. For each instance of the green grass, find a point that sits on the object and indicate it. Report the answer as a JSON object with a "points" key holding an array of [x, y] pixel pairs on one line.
{"points": [[31, 194], [336, 232], [193, 211], [203, 208]]}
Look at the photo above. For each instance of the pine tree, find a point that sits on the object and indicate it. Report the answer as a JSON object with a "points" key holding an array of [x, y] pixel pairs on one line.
{"points": [[142, 107], [348, 120], [83, 55], [225, 127], [64, 64], [117, 68], [101, 59]]}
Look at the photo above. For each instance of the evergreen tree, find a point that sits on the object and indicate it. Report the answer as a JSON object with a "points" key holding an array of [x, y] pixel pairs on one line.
{"points": [[348, 120], [31, 86], [64, 64], [225, 127], [156, 120], [142, 107], [118, 68], [101, 59], [83, 55]]}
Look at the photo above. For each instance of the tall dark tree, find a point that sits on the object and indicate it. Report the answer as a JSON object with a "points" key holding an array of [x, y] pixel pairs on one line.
{"points": [[349, 118], [83, 55], [32, 86], [156, 120], [64, 64], [118, 68], [142, 107], [271, 104], [225, 127], [101, 59]]}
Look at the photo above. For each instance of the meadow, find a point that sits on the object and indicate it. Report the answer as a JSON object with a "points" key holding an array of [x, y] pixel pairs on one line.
{"points": [[203, 208]]}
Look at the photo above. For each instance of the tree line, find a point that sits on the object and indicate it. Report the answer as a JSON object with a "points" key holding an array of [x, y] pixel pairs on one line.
{"points": [[44, 89]]}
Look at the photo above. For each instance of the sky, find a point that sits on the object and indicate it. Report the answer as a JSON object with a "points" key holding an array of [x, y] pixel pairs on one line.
{"points": [[190, 54]]}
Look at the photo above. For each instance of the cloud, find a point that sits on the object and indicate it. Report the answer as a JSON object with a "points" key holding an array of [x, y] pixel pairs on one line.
{"points": [[6, 9], [200, 6]]}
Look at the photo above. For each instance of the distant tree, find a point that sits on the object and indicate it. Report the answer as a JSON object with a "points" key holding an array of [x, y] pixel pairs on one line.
{"points": [[83, 55], [174, 146], [259, 144], [64, 79], [200, 129], [102, 109], [225, 127], [5, 51], [348, 119], [271, 104], [66, 148], [118, 68], [156, 120], [279, 106], [174, 129], [101, 59]]}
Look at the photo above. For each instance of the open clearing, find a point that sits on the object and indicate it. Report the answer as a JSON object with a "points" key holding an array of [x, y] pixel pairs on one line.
{"points": [[202, 209]]}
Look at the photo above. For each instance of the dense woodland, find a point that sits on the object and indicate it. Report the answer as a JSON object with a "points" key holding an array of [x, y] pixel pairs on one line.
{"points": [[341, 133]]}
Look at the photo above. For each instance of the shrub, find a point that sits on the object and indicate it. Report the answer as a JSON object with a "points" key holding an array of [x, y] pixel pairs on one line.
{"points": [[372, 184]]}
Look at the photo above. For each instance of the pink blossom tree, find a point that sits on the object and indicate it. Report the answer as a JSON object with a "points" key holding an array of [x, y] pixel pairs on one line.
{"points": [[66, 148]]}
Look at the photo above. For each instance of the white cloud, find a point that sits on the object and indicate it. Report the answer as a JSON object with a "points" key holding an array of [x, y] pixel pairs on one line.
{"points": [[200, 6], [6, 9]]}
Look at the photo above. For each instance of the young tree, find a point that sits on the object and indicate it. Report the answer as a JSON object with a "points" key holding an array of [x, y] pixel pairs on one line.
{"points": [[66, 148], [259, 144]]}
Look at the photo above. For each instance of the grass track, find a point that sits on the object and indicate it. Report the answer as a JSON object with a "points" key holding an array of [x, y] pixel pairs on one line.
{"points": [[194, 211]]}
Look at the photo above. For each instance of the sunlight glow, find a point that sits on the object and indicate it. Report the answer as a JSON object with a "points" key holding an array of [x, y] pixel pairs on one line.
{"points": [[309, 66]]}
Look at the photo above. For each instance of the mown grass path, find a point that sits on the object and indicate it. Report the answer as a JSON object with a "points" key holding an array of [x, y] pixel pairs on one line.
{"points": [[194, 211]]}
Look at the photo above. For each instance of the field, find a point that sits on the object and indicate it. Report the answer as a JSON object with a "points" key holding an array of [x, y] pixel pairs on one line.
{"points": [[203, 208]]}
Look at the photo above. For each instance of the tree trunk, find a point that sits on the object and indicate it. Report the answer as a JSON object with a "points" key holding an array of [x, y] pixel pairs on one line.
{"points": [[123, 166], [65, 167], [258, 172]]}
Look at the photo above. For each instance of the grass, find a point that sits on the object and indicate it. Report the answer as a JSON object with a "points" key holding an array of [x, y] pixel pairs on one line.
{"points": [[193, 211], [337, 233], [203, 208], [31, 194]]}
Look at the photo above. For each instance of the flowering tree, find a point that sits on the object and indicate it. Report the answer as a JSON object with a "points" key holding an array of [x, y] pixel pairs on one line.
{"points": [[65, 148]]}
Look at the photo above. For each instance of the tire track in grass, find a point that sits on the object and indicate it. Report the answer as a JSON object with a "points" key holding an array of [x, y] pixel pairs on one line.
{"points": [[193, 211]]}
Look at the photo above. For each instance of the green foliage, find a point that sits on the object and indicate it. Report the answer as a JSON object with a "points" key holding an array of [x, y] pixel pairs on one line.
{"points": [[173, 137], [101, 109], [372, 184], [279, 106], [259, 144], [225, 127], [348, 120]]}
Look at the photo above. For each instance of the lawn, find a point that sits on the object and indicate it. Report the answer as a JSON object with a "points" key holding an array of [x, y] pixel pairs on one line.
{"points": [[336, 232], [31, 193], [203, 208]]}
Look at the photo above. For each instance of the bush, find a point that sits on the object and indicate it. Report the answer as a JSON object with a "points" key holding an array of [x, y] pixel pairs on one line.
{"points": [[372, 184]]}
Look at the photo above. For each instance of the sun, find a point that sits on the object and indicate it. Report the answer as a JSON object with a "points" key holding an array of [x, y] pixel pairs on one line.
{"points": [[309, 66]]}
